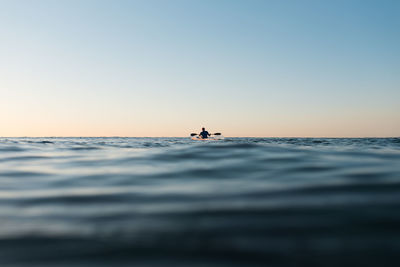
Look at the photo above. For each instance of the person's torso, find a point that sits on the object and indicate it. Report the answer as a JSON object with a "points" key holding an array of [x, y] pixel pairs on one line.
{"points": [[204, 134]]}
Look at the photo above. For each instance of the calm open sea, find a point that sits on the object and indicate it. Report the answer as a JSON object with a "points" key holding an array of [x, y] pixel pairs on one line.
{"points": [[178, 202]]}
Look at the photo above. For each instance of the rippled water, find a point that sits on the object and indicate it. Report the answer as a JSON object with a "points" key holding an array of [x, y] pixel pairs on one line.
{"points": [[177, 202]]}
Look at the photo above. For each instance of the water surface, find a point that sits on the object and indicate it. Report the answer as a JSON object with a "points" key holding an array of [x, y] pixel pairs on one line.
{"points": [[177, 202]]}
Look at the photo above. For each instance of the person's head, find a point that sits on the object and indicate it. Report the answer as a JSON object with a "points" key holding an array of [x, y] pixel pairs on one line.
{"points": [[203, 129]]}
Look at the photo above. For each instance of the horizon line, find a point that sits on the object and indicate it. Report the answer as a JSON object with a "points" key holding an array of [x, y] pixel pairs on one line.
{"points": [[116, 136]]}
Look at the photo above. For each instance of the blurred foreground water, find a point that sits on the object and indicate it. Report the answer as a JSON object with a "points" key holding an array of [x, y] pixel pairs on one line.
{"points": [[177, 202]]}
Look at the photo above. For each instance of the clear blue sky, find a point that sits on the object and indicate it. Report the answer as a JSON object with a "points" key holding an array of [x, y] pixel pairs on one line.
{"points": [[167, 68]]}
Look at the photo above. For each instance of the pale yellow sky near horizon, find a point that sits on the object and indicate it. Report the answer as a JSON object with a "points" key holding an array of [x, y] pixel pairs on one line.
{"points": [[48, 120]]}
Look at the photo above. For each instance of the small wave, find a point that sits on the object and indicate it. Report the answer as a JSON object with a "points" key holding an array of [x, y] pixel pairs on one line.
{"points": [[24, 158], [40, 142], [312, 169], [11, 149], [16, 174], [85, 148]]}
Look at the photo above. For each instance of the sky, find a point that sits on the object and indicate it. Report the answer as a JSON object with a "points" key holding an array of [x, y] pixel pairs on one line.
{"points": [[268, 68]]}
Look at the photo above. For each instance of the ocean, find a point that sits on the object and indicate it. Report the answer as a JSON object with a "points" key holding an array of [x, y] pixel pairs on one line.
{"points": [[178, 202]]}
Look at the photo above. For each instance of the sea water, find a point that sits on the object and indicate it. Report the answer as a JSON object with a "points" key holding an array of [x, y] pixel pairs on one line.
{"points": [[178, 202]]}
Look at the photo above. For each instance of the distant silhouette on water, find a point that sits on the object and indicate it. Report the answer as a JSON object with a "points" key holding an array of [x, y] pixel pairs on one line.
{"points": [[204, 134]]}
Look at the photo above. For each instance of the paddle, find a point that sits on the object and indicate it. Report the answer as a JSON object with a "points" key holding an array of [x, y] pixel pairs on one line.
{"points": [[194, 134]]}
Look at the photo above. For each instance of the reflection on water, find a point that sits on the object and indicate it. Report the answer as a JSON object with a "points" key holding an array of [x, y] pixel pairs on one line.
{"points": [[177, 202]]}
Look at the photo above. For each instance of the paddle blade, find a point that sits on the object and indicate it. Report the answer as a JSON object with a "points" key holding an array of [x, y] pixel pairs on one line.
{"points": [[217, 134], [193, 134]]}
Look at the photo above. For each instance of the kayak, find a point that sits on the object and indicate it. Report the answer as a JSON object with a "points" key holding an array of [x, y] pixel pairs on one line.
{"points": [[211, 138]]}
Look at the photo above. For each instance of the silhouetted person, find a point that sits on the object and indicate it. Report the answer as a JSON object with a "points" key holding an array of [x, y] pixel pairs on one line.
{"points": [[204, 134]]}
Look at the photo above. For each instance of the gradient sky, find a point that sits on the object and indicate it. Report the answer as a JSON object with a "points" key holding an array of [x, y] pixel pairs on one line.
{"points": [[166, 68]]}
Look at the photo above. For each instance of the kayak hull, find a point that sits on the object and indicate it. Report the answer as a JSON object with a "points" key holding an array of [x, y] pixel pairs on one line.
{"points": [[211, 138]]}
